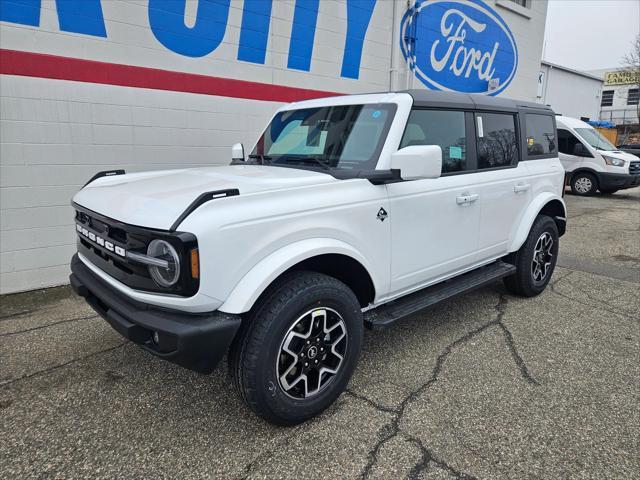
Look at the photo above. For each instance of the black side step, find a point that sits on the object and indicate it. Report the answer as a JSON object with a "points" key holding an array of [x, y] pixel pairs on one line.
{"points": [[385, 315]]}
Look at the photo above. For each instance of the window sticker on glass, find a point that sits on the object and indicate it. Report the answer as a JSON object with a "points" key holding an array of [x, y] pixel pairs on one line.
{"points": [[455, 152], [376, 114]]}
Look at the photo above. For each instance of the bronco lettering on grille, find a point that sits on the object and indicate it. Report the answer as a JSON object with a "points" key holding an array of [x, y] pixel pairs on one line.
{"points": [[101, 241]]}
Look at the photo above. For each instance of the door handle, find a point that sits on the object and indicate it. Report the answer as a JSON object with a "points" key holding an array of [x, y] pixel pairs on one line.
{"points": [[466, 199], [521, 187]]}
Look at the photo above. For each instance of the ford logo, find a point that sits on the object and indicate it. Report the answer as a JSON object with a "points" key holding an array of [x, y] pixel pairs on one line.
{"points": [[459, 46]]}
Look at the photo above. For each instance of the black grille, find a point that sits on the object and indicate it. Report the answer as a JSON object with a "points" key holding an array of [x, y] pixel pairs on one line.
{"points": [[132, 239], [634, 167]]}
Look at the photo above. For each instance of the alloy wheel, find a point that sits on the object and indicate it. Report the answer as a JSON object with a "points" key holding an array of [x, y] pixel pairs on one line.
{"points": [[311, 353], [542, 258]]}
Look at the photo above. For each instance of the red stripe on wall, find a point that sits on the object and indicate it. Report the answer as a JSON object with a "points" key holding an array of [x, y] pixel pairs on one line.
{"points": [[29, 64]]}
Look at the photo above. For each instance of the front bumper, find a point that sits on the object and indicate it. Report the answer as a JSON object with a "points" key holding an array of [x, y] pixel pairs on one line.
{"points": [[618, 181], [195, 341]]}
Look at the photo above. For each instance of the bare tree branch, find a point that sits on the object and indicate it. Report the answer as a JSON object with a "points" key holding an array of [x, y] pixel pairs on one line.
{"points": [[631, 64]]}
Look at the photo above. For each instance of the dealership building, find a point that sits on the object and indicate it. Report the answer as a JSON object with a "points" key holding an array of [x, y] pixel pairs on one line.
{"points": [[97, 85]]}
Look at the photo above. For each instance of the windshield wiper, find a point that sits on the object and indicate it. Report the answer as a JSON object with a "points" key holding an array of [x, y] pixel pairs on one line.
{"points": [[317, 160], [264, 159]]}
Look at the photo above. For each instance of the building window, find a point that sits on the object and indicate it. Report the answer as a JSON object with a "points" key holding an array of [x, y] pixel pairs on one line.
{"points": [[607, 98], [634, 95], [522, 3]]}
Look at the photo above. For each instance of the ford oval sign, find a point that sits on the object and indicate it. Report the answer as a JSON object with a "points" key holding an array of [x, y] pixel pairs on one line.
{"points": [[459, 46]]}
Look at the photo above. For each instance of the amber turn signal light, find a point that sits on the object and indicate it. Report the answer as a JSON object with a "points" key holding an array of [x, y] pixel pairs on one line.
{"points": [[195, 263]]}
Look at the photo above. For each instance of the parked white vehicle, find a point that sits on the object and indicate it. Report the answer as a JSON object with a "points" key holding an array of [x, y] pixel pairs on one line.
{"points": [[592, 162], [350, 211]]}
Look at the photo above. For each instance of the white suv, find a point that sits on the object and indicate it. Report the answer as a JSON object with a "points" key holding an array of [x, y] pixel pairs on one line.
{"points": [[350, 211]]}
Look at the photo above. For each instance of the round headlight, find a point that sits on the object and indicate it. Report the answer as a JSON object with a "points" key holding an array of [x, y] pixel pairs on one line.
{"points": [[164, 277]]}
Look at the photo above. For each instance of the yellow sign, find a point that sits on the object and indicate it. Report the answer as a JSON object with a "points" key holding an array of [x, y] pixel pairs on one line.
{"points": [[621, 77]]}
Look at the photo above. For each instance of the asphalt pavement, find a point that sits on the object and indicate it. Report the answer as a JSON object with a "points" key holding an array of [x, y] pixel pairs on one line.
{"points": [[484, 386]]}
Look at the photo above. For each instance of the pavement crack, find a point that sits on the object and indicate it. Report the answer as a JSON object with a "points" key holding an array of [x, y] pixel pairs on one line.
{"points": [[376, 405], [61, 365], [522, 366], [252, 466], [282, 442], [27, 330], [601, 306], [501, 308], [392, 429], [561, 278], [428, 458], [9, 316]]}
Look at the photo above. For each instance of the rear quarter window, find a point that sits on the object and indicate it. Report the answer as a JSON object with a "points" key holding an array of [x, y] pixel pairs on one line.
{"points": [[540, 134]]}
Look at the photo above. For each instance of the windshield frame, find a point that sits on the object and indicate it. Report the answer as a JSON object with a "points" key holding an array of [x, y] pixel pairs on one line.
{"points": [[602, 140], [319, 162]]}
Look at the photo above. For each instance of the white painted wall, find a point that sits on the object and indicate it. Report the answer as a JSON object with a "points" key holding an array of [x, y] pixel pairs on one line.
{"points": [[55, 134], [571, 94]]}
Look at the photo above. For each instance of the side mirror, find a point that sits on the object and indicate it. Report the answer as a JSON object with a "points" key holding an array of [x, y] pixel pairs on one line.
{"points": [[579, 150], [418, 161], [237, 152]]}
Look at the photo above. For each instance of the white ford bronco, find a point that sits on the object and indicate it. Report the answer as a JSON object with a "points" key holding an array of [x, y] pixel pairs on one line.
{"points": [[351, 211]]}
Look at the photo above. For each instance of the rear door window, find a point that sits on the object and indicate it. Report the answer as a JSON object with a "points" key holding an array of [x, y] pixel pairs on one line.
{"points": [[496, 137], [445, 128], [541, 136]]}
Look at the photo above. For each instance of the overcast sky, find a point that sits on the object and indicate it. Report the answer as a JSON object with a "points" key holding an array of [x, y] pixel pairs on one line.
{"points": [[590, 34]]}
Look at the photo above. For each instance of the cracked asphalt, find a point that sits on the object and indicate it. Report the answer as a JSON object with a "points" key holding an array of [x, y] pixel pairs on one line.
{"points": [[485, 386]]}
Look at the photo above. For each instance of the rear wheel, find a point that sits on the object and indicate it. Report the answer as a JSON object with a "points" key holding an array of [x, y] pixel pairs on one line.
{"points": [[584, 184], [298, 348], [536, 259]]}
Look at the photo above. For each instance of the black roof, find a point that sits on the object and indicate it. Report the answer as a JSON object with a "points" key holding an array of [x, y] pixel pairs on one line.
{"points": [[433, 98]]}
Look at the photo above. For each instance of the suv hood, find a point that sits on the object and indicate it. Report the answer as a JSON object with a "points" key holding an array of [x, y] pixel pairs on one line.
{"points": [[156, 199]]}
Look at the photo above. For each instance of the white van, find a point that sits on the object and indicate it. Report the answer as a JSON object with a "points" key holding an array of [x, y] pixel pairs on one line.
{"points": [[591, 162]]}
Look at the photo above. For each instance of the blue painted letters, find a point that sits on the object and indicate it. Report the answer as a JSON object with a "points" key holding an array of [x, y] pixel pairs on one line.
{"points": [[166, 18], [303, 32], [254, 32], [358, 17], [199, 37], [77, 16]]}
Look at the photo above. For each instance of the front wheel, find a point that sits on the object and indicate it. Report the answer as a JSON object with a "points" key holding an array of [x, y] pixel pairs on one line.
{"points": [[536, 259], [299, 348], [584, 184]]}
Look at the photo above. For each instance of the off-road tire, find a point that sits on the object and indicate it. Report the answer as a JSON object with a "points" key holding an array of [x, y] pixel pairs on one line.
{"points": [[522, 282], [254, 354], [580, 181]]}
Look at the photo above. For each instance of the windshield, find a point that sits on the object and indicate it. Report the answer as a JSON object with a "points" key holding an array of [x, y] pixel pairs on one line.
{"points": [[346, 137], [595, 139]]}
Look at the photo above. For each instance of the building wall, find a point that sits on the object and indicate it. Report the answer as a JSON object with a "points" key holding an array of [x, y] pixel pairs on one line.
{"points": [[570, 93], [74, 100], [619, 112]]}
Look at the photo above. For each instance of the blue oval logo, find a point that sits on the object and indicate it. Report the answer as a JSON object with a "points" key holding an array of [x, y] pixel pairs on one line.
{"points": [[459, 46]]}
